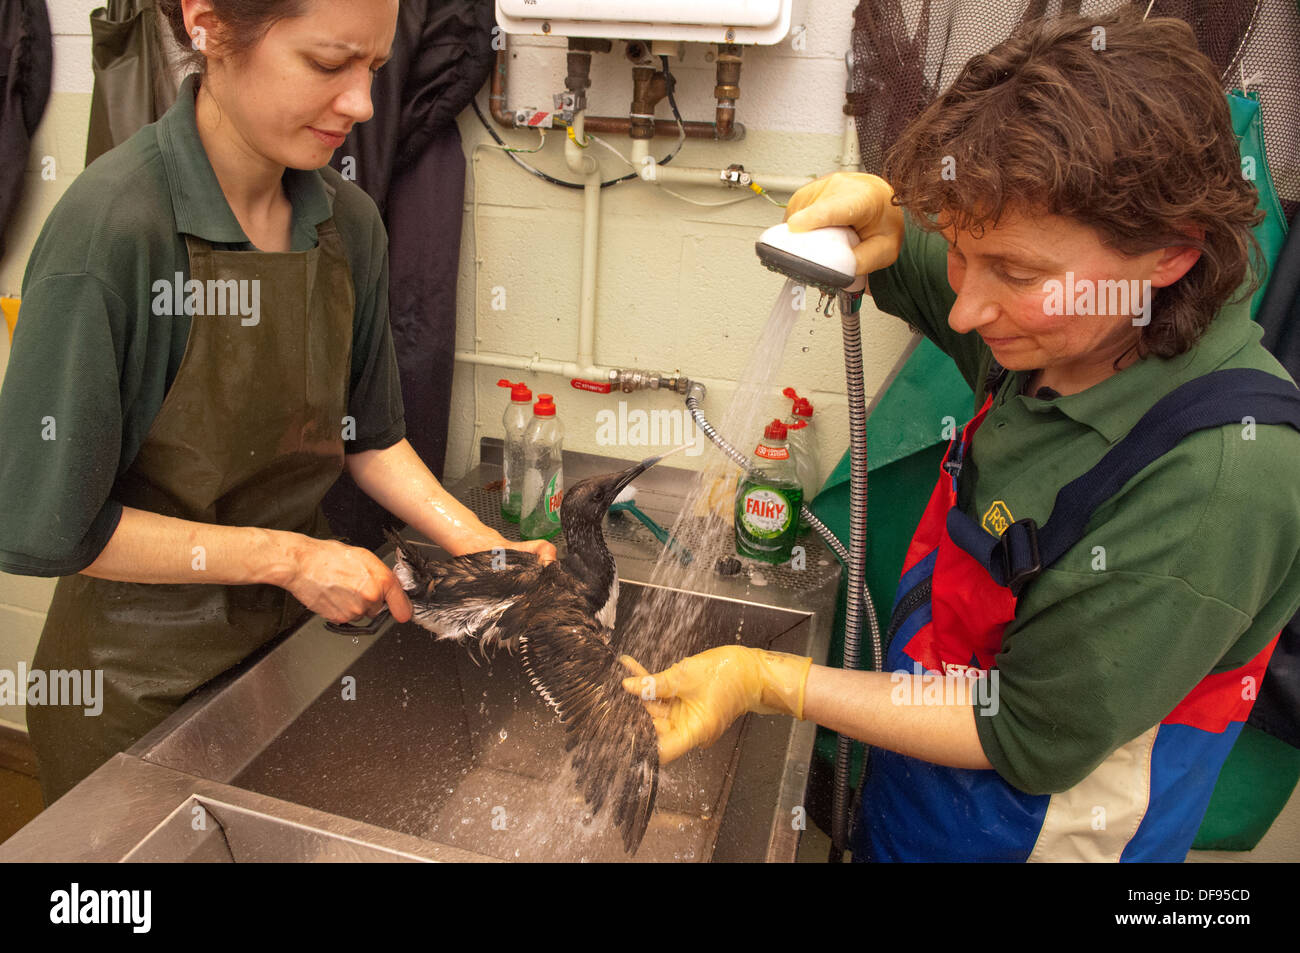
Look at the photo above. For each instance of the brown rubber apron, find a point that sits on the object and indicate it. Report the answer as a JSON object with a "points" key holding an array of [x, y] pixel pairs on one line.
{"points": [[249, 434]]}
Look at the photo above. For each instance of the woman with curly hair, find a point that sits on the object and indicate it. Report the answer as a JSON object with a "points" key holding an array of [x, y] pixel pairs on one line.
{"points": [[1090, 601]]}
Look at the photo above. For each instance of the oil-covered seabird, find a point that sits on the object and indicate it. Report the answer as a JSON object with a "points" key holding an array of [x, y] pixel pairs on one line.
{"points": [[559, 619]]}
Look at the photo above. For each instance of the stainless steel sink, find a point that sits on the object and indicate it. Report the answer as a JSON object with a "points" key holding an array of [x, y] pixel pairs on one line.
{"points": [[206, 830], [399, 747]]}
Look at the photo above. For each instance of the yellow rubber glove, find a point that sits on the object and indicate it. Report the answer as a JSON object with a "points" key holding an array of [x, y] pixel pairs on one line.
{"points": [[695, 701], [858, 200]]}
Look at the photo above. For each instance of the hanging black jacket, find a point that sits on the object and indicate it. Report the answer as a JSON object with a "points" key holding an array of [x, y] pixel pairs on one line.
{"points": [[408, 157], [26, 58]]}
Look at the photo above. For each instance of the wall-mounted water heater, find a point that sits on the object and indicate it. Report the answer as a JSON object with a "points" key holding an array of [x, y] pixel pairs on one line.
{"points": [[700, 21]]}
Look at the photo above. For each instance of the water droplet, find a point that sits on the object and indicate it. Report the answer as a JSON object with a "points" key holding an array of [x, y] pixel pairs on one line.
{"points": [[804, 349], [502, 734]]}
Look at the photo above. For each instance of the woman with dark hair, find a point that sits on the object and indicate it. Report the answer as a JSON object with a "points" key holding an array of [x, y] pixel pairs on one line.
{"points": [[1090, 601], [204, 347]]}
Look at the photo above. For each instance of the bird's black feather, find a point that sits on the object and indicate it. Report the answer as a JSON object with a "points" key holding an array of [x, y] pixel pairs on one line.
{"points": [[570, 665], [559, 618], [463, 598]]}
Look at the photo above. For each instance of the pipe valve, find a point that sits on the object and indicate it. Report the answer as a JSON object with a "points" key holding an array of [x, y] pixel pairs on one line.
{"points": [[629, 379]]}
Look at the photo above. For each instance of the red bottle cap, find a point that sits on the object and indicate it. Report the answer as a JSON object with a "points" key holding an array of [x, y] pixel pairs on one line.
{"points": [[545, 406], [774, 431], [518, 391], [802, 407]]}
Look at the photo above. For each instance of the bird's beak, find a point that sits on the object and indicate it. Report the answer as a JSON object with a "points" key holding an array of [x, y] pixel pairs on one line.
{"points": [[633, 472]]}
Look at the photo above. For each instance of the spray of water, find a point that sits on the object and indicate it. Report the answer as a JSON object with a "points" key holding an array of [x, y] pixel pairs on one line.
{"points": [[546, 818], [663, 627]]}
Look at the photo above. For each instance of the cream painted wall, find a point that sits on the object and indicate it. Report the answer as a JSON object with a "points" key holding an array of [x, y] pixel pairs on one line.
{"points": [[678, 286], [61, 137]]}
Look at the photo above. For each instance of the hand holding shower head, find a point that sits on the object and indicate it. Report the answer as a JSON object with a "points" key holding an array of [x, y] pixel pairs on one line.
{"points": [[822, 257]]}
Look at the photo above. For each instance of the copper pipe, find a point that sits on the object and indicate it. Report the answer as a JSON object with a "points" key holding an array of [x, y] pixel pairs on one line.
{"points": [[664, 127], [727, 91], [497, 95], [578, 79], [648, 88], [597, 124]]}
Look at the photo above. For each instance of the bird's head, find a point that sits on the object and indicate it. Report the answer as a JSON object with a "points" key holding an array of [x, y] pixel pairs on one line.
{"points": [[586, 502]]}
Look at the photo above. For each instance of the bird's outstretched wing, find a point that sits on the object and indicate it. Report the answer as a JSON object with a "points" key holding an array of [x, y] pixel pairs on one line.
{"points": [[463, 598], [611, 735], [527, 609]]}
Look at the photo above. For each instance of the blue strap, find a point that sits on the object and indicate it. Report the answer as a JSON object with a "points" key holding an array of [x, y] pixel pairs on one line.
{"points": [[1219, 398]]}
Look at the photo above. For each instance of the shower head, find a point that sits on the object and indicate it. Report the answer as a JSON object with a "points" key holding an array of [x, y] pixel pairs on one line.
{"points": [[822, 257]]}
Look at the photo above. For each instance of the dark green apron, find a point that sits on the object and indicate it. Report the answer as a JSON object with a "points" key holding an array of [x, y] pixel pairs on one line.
{"points": [[249, 434]]}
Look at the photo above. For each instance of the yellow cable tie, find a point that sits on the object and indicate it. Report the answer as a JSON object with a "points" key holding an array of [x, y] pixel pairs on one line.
{"points": [[580, 145], [756, 188]]}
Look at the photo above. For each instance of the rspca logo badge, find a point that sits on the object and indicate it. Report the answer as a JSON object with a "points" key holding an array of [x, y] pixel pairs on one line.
{"points": [[997, 518]]}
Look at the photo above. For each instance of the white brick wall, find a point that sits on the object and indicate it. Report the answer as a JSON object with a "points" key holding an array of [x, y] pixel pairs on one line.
{"points": [[62, 135]]}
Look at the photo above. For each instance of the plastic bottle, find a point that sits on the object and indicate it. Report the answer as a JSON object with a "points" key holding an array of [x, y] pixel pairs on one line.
{"points": [[543, 472], [767, 508], [517, 417], [802, 439]]}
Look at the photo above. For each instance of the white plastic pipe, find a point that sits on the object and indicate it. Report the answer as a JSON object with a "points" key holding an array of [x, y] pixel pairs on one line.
{"points": [[652, 171], [670, 174], [568, 369], [590, 255], [535, 364], [588, 167], [850, 154]]}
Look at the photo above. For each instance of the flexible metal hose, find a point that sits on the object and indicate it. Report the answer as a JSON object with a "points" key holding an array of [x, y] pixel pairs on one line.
{"points": [[742, 461], [858, 597]]}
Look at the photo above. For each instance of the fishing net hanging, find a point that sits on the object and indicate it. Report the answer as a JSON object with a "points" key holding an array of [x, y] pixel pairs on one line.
{"points": [[906, 52]]}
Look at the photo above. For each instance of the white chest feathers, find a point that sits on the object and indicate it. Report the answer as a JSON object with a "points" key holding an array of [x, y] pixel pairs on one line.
{"points": [[608, 611]]}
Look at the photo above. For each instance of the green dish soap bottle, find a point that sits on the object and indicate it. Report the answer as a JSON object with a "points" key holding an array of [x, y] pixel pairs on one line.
{"points": [[767, 506]]}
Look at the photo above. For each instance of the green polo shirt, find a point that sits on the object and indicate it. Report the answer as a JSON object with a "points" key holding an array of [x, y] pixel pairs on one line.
{"points": [[1191, 569], [91, 362]]}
